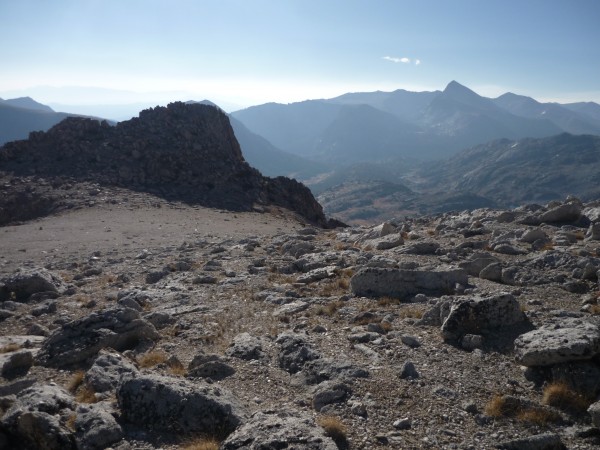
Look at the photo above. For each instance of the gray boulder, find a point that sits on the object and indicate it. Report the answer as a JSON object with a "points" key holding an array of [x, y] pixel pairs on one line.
{"points": [[27, 282], [294, 352], [403, 283], [594, 411], [246, 347], [568, 212], [75, 342], [570, 340], [477, 262], [479, 315], [324, 369], [16, 364], [108, 370], [37, 419], [492, 272], [96, 428], [330, 392], [420, 248], [387, 242], [168, 403], [534, 234], [209, 366], [279, 430], [546, 441], [593, 232]]}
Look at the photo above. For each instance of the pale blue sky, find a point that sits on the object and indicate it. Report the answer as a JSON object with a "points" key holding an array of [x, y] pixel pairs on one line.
{"points": [[254, 51]]}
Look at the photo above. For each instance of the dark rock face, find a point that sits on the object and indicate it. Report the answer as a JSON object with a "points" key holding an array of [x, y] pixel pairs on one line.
{"points": [[164, 403], [183, 151]]}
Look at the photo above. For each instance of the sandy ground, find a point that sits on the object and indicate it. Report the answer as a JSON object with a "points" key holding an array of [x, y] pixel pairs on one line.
{"points": [[123, 227]]}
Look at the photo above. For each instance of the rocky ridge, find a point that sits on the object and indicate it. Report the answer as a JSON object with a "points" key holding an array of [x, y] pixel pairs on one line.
{"points": [[186, 152], [483, 317]]}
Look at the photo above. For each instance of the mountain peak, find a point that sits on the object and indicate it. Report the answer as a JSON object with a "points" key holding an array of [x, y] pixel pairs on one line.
{"points": [[454, 88], [27, 103]]}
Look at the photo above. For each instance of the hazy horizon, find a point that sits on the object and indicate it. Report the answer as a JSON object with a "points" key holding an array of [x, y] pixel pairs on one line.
{"points": [[239, 53]]}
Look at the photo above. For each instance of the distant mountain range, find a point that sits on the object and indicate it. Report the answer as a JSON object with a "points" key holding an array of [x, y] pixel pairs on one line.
{"points": [[20, 116], [401, 124], [372, 155]]}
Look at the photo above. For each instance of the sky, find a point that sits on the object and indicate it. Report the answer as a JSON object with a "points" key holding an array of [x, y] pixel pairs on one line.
{"points": [[239, 53]]}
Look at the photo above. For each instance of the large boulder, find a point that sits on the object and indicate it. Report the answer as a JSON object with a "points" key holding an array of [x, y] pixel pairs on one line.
{"points": [[568, 212], [173, 404], [26, 282], [96, 428], [403, 283], [108, 370], [569, 340], [77, 341], [480, 315], [279, 430], [37, 420]]}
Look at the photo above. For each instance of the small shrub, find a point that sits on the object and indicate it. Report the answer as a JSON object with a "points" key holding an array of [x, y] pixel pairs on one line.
{"points": [[334, 428], [152, 359], [562, 396]]}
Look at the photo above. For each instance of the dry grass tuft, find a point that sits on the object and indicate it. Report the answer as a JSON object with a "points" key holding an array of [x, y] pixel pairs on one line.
{"points": [[507, 406], [386, 326], [562, 396], [329, 309], [86, 394], [388, 301], [538, 416], [201, 443], [151, 359], [176, 368], [334, 428], [412, 312], [76, 381], [13, 346], [594, 310], [498, 406], [70, 423]]}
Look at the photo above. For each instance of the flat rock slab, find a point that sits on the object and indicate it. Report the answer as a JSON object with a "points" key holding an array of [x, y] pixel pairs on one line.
{"points": [[402, 283], [571, 340]]}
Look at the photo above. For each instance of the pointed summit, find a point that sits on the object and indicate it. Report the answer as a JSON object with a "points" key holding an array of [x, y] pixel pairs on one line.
{"points": [[460, 93]]}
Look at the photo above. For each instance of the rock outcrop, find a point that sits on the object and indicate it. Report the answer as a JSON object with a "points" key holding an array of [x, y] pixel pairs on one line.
{"points": [[183, 151]]}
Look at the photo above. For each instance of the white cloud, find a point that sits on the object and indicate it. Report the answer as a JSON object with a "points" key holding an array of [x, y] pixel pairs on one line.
{"points": [[403, 60], [396, 60]]}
